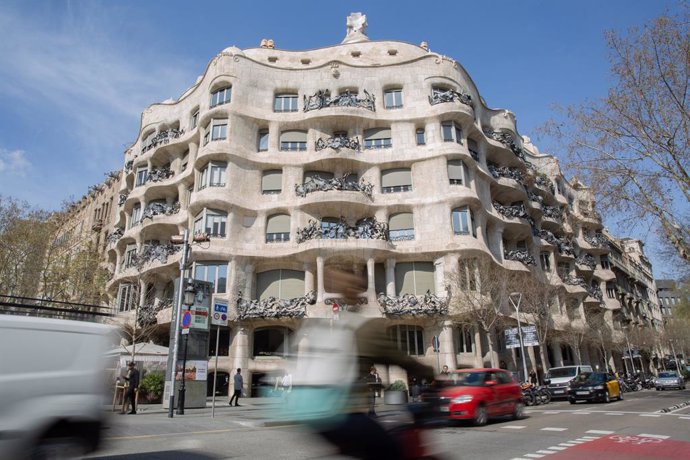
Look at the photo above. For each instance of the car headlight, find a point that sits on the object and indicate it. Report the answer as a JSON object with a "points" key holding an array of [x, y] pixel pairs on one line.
{"points": [[462, 399], [600, 387]]}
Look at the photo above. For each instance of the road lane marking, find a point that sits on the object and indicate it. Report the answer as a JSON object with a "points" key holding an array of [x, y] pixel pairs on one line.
{"points": [[598, 432], [529, 455], [657, 436], [682, 418], [546, 452], [514, 427], [564, 444], [607, 413], [576, 412], [552, 428], [641, 415], [557, 448]]}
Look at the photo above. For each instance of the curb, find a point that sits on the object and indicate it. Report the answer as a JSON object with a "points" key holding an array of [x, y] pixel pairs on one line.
{"points": [[677, 406]]}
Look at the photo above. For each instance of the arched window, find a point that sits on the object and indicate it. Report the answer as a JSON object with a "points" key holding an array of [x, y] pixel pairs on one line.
{"points": [[281, 284], [408, 339], [278, 228], [414, 278], [272, 181], [462, 221], [451, 132], [221, 96], [401, 227]]}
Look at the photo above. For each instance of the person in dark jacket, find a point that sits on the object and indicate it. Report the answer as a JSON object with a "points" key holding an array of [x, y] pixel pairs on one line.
{"points": [[238, 383], [131, 395]]}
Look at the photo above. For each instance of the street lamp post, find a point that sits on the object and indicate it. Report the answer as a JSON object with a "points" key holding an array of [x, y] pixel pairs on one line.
{"points": [[177, 318], [675, 357], [516, 306], [632, 361], [188, 301]]}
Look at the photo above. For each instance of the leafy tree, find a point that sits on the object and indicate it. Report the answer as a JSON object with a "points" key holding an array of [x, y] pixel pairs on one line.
{"points": [[633, 144]]}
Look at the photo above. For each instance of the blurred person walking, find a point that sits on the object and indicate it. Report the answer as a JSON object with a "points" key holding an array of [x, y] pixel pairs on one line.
{"points": [[131, 396]]}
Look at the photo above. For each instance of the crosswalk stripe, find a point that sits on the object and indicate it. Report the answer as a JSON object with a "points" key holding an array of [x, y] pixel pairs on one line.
{"points": [[557, 448], [576, 412], [641, 415], [564, 444], [552, 428], [533, 455], [657, 436], [599, 432], [546, 452], [684, 418], [607, 413], [514, 427]]}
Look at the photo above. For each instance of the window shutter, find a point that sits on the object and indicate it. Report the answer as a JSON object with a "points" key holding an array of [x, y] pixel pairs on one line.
{"points": [[293, 136], [272, 180], [404, 278], [456, 170], [424, 277], [377, 133], [268, 284], [291, 284], [396, 177], [278, 223], [401, 221]]}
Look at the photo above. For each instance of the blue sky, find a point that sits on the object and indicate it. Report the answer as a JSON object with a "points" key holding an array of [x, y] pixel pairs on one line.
{"points": [[76, 75]]}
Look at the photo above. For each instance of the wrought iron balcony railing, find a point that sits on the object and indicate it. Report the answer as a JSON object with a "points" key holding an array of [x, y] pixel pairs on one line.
{"points": [[411, 305], [274, 308], [323, 99], [164, 137], [366, 228], [338, 142], [319, 184], [450, 95], [519, 255]]}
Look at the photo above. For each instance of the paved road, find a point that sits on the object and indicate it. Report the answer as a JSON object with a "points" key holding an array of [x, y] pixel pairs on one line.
{"points": [[630, 429]]}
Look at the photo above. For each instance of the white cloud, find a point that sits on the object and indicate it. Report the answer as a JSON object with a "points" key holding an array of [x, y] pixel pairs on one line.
{"points": [[14, 162]]}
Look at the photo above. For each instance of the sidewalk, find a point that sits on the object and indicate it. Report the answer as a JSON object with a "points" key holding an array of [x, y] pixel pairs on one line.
{"points": [[258, 411]]}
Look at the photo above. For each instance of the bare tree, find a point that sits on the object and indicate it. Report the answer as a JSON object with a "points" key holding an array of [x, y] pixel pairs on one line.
{"points": [[600, 334], [632, 146], [538, 295], [574, 337], [479, 290]]}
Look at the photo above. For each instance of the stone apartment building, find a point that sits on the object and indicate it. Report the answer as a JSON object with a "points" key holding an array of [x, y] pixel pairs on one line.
{"points": [[378, 157]]}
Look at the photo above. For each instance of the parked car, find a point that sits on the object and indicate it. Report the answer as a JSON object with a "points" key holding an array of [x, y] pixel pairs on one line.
{"points": [[669, 379], [594, 386], [477, 395], [560, 378]]}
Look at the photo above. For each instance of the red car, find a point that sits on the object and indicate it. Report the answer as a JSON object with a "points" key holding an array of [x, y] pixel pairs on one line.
{"points": [[479, 394]]}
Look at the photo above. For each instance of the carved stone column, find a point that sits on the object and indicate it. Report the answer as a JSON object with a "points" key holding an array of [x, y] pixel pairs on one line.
{"points": [[239, 356], [478, 351], [248, 292], [371, 281], [319, 279], [308, 277], [439, 281], [390, 277], [448, 356], [557, 355]]}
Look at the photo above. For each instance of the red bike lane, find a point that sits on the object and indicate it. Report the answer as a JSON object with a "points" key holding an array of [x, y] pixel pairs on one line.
{"points": [[626, 447]]}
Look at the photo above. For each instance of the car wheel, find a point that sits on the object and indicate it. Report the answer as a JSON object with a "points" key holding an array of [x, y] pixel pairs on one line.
{"points": [[657, 388], [518, 410], [480, 415], [571, 400], [607, 397]]}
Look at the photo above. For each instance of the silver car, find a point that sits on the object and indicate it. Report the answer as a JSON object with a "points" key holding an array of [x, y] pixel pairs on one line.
{"points": [[669, 379]]}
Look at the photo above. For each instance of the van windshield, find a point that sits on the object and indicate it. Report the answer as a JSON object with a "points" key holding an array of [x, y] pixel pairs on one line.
{"points": [[560, 372]]}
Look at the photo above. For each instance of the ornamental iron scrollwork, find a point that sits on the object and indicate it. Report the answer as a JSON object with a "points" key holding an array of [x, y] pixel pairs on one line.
{"points": [[367, 228], [154, 251], [564, 245], [123, 198], [506, 171], [115, 236], [597, 240], [517, 210], [587, 260], [535, 197], [553, 212], [164, 137], [338, 142], [271, 307], [323, 99], [545, 183], [318, 184], [158, 209], [146, 316], [520, 255], [411, 305], [576, 281], [449, 95], [129, 165], [160, 174], [508, 139]]}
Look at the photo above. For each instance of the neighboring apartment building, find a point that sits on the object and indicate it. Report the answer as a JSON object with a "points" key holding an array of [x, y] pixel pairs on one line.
{"points": [[669, 297], [378, 157]]}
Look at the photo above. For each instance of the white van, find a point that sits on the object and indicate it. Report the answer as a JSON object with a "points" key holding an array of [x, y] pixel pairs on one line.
{"points": [[51, 386], [560, 378]]}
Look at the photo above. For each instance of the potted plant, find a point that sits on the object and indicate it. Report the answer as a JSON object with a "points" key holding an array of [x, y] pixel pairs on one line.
{"points": [[152, 387], [396, 393]]}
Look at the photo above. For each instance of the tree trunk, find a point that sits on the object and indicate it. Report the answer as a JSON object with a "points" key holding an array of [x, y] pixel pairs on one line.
{"points": [[543, 355]]}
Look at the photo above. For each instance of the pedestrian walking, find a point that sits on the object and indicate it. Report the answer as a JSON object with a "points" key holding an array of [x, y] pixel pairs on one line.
{"points": [[131, 396], [373, 381], [533, 377], [238, 384]]}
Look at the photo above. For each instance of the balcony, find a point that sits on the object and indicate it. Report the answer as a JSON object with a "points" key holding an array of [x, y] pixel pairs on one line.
{"points": [[514, 211], [449, 95], [366, 228], [274, 308], [508, 139], [597, 240], [159, 175], [323, 99], [162, 138], [519, 255], [160, 209], [564, 245], [319, 184], [544, 183], [115, 236], [506, 171], [97, 225], [553, 212], [338, 142], [411, 305], [586, 260]]}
